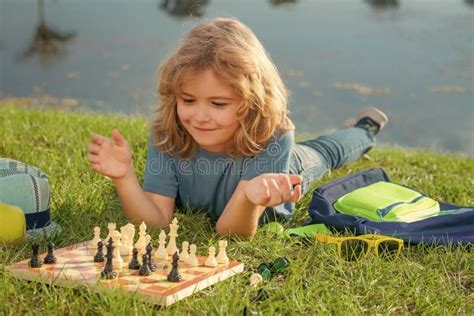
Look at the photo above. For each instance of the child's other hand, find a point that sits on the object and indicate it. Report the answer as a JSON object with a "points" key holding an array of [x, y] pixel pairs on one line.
{"points": [[271, 189], [110, 157]]}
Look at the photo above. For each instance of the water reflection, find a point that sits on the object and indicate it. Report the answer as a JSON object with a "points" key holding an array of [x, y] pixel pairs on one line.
{"points": [[383, 4], [279, 2], [184, 8], [48, 43]]}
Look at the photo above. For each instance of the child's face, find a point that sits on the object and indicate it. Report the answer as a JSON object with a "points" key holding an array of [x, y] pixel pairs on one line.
{"points": [[207, 109]]}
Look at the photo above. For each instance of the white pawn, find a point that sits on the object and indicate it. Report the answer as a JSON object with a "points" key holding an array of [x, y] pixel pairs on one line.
{"points": [[160, 253], [192, 259], [222, 256], [183, 256], [211, 259], [111, 227], [96, 239], [117, 260]]}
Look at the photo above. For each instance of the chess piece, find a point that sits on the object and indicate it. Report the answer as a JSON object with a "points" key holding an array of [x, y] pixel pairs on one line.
{"points": [[96, 239], [99, 256], [111, 227], [184, 251], [174, 275], [192, 259], [211, 259], [160, 253], [144, 269], [129, 231], [151, 265], [255, 279], [171, 249], [35, 261], [50, 257], [134, 264], [147, 242], [141, 242], [108, 272], [117, 259], [125, 249], [222, 256]]}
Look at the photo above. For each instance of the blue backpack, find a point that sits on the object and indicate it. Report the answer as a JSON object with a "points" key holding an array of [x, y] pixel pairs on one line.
{"points": [[451, 224]]}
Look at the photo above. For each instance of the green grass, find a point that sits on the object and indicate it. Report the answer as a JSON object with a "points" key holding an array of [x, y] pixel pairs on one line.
{"points": [[425, 280]]}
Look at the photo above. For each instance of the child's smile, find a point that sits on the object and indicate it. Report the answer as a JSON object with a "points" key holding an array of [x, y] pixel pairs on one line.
{"points": [[207, 109]]}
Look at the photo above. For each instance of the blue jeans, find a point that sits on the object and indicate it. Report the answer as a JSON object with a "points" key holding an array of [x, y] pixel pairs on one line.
{"points": [[313, 158]]}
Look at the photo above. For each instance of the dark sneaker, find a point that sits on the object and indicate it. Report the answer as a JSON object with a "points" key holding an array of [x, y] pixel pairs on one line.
{"points": [[372, 119]]}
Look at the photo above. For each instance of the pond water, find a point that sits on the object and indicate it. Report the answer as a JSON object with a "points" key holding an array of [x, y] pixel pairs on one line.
{"points": [[413, 59]]}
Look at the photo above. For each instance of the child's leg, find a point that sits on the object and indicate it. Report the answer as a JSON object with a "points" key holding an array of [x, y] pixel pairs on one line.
{"points": [[313, 158]]}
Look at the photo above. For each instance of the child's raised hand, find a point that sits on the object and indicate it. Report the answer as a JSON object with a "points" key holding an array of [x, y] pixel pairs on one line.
{"points": [[271, 189], [110, 157]]}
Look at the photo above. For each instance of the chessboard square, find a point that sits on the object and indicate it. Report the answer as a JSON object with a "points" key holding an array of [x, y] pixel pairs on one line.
{"points": [[155, 288], [193, 272], [148, 280]]}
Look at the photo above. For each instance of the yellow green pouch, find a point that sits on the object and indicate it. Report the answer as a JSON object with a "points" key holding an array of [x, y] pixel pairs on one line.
{"points": [[387, 202]]}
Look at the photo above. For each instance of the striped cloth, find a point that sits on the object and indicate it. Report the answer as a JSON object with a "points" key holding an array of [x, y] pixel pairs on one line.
{"points": [[28, 188]]}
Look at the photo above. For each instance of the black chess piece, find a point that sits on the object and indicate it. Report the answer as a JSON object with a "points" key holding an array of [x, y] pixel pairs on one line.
{"points": [[174, 275], [108, 272], [50, 257], [134, 264], [35, 261], [151, 264], [99, 257], [144, 269]]}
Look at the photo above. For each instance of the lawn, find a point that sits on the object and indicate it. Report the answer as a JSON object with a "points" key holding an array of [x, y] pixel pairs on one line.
{"points": [[424, 280]]}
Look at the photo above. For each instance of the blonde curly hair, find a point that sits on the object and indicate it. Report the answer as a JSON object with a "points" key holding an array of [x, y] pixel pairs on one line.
{"points": [[231, 50]]}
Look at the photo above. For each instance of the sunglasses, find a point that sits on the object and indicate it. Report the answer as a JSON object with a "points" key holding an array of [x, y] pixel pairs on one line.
{"points": [[356, 248]]}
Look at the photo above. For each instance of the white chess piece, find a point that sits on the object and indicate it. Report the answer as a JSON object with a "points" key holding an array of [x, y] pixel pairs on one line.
{"points": [[96, 239], [211, 259], [192, 259], [222, 256], [172, 248], [255, 279], [125, 249], [147, 241], [128, 230], [160, 253], [111, 227], [183, 256], [141, 237], [117, 260]]}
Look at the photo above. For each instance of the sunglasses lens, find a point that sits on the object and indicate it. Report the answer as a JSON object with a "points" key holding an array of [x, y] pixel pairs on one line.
{"points": [[388, 249], [353, 249]]}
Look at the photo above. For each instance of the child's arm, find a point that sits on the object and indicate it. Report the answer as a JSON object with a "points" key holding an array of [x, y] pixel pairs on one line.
{"points": [[251, 197], [113, 158]]}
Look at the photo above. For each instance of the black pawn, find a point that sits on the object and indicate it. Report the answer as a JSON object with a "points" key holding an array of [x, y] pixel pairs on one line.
{"points": [[151, 265], [99, 256], [50, 257], [134, 264], [174, 275], [144, 269], [35, 261], [108, 272]]}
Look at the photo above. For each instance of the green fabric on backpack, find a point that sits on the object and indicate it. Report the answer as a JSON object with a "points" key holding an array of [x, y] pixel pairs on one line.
{"points": [[386, 201]]}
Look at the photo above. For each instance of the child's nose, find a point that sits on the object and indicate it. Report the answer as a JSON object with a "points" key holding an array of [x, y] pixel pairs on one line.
{"points": [[202, 114]]}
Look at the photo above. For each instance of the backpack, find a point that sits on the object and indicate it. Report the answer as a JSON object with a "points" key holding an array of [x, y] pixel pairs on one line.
{"points": [[362, 203]]}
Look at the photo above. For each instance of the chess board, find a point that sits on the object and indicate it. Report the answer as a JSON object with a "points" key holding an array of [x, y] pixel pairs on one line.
{"points": [[75, 267]]}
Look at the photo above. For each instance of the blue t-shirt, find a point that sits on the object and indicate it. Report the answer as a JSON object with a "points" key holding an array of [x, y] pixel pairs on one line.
{"points": [[207, 181]]}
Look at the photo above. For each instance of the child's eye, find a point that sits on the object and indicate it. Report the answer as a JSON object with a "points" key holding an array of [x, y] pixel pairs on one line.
{"points": [[188, 101], [219, 103]]}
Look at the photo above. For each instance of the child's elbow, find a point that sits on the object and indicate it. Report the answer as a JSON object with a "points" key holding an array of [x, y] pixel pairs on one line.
{"points": [[228, 232]]}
